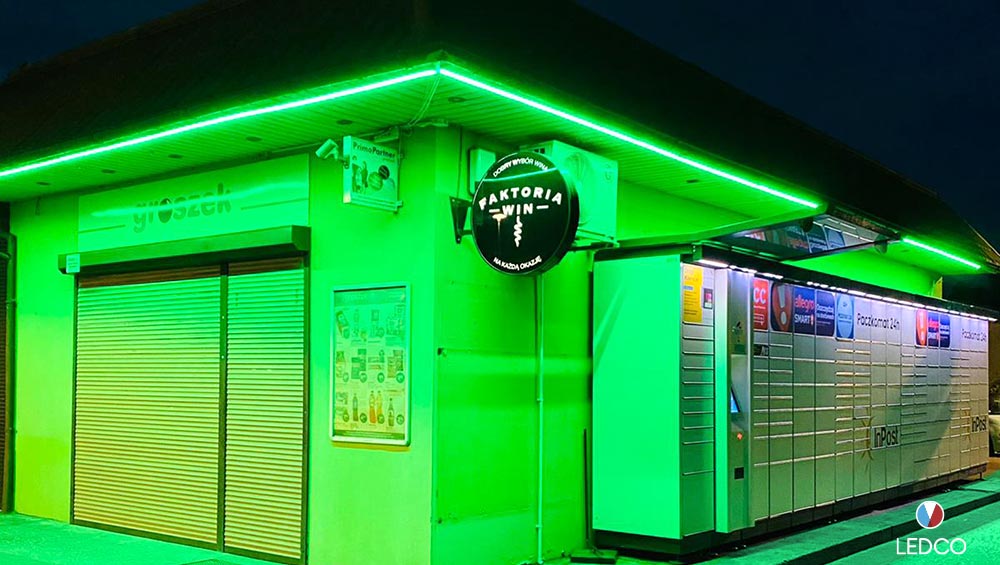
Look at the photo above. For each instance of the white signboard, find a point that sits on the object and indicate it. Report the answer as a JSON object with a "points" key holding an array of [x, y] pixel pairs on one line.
{"points": [[370, 380], [73, 263], [250, 197], [371, 177]]}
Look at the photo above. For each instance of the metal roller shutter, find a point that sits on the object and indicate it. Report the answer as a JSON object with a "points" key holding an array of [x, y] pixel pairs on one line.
{"points": [[146, 445], [265, 407]]}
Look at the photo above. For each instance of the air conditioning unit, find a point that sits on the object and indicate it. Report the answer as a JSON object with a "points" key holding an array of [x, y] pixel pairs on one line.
{"points": [[596, 182]]}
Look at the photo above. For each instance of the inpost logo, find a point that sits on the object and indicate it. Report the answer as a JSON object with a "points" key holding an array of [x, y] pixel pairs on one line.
{"points": [[930, 515]]}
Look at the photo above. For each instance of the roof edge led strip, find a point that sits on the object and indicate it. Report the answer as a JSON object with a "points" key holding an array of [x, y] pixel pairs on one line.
{"points": [[409, 76], [626, 138], [910, 241], [130, 142]]}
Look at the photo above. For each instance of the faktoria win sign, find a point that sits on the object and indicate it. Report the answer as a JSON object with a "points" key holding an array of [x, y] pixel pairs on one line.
{"points": [[524, 214]]}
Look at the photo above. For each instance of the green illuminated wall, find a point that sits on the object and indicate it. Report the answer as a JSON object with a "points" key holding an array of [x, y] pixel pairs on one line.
{"points": [[466, 489], [646, 212], [486, 462], [871, 267], [638, 392], [372, 505], [43, 361]]}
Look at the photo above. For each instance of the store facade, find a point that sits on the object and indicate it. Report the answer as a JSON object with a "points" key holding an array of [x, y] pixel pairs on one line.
{"points": [[296, 327]]}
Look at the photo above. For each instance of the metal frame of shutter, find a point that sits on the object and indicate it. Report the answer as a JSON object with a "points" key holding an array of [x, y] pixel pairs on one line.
{"points": [[146, 405], [261, 463], [7, 247], [266, 409]]}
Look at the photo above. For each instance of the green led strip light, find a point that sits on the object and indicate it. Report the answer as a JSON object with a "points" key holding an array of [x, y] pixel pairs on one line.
{"points": [[65, 158], [626, 138], [216, 121], [915, 243]]}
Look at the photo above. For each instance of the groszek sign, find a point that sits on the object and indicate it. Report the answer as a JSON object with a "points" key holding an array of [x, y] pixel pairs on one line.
{"points": [[250, 197], [524, 214]]}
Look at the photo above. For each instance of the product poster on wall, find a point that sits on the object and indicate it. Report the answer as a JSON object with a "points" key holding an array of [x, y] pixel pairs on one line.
{"points": [[933, 326], [944, 331], [761, 293], [781, 307], [826, 317], [921, 327], [845, 316], [370, 391], [692, 287], [804, 321]]}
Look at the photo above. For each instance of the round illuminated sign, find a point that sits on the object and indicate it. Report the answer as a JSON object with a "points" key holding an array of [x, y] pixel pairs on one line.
{"points": [[524, 214]]}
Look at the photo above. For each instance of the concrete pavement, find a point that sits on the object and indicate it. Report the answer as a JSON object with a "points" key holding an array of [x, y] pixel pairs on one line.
{"points": [[33, 541], [972, 512], [978, 529], [973, 506]]}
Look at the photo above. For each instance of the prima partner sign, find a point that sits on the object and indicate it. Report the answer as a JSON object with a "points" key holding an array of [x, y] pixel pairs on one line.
{"points": [[525, 214], [251, 197]]}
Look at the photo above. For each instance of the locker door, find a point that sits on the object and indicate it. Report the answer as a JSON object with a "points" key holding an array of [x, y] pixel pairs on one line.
{"points": [[265, 410], [146, 434]]}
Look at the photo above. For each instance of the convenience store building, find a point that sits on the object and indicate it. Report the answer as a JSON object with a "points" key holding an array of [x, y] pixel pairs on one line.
{"points": [[262, 301]]}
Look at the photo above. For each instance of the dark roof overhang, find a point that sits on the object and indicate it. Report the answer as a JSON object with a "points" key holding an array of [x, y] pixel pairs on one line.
{"points": [[227, 55]]}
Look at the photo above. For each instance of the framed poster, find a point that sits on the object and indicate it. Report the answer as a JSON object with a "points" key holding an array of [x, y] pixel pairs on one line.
{"points": [[370, 369]]}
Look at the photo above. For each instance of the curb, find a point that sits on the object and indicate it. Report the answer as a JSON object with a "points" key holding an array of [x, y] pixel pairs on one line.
{"points": [[850, 546], [886, 526], [884, 535]]}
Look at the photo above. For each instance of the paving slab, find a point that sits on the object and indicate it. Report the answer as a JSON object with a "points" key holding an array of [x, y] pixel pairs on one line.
{"points": [[25, 540], [979, 531]]}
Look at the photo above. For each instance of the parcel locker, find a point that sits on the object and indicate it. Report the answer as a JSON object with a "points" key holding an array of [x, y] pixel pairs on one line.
{"points": [[776, 400]]}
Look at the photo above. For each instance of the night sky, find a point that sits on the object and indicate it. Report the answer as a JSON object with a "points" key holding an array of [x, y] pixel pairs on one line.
{"points": [[917, 89]]}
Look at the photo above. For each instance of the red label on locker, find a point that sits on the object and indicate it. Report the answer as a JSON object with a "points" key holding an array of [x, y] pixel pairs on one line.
{"points": [[933, 327], [781, 307], [760, 304], [921, 327]]}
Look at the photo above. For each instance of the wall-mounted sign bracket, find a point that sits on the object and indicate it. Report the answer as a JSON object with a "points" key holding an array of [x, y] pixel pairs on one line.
{"points": [[459, 213], [594, 246]]}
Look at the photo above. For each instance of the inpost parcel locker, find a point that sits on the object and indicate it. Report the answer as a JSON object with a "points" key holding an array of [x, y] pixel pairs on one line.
{"points": [[729, 402]]}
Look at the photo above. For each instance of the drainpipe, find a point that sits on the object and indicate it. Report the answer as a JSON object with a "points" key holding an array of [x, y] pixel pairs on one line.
{"points": [[540, 398]]}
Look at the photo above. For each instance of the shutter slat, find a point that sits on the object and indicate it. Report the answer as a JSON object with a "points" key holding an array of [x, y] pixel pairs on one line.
{"points": [[147, 405], [265, 407]]}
